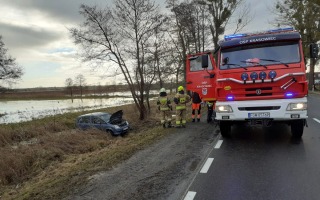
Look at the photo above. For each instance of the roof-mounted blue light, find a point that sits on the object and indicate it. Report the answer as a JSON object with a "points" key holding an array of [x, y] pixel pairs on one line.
{"points": [[280, 29], [229, 37]]}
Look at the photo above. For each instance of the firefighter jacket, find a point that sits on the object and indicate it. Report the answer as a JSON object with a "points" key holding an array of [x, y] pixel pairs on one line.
{"points": [[181, 100], [164, 103]]}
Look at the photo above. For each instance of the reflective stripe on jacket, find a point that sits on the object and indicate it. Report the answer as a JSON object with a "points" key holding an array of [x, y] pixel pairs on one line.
{"points": [[164, 103], [181, 100]]}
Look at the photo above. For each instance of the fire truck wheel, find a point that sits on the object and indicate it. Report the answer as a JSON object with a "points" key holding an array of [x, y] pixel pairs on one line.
{"points": [[297, 128], [225, 129]]}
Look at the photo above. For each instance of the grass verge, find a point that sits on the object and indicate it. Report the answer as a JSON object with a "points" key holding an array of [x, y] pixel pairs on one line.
{"points": [[46, 160]]}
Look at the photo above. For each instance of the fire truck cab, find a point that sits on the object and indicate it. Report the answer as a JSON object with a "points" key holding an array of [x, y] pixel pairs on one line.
{"points": [[261, 80], [201, 75]]}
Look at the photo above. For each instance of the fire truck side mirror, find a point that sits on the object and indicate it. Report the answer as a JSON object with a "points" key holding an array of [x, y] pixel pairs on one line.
{"points": [[314, 50], [204, 61]]}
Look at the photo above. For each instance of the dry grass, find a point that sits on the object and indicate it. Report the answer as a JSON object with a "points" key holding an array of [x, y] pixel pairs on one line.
{"points": [[45, 159]]}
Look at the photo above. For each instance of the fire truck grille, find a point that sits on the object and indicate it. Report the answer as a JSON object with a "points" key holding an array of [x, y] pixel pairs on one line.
{"points": [[264, 91], [259, 108]]}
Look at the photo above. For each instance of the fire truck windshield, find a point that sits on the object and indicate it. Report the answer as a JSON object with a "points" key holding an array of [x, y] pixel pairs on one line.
{"points": [[262, 54]]}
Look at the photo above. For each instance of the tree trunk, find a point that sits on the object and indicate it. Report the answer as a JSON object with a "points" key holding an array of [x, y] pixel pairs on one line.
{"points": [[311, 73]]}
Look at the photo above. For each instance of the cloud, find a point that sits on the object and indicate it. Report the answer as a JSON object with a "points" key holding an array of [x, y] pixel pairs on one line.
{"points": [[20, 37], [60, 10]]}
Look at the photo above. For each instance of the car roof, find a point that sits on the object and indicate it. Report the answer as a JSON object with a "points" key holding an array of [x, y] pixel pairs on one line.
{"points": [[95, 114]]}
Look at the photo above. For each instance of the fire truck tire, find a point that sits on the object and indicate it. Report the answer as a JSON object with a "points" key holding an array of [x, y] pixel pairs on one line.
{"points": [[225, 129], [297, 128]]}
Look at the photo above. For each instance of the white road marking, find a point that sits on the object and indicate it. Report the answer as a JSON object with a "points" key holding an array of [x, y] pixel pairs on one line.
{"points": [[207, 165], [218, 145], [317, 120], [190, 195]]}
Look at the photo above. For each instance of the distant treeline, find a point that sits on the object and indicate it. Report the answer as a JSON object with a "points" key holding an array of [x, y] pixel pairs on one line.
{"points": [[63, 92]]}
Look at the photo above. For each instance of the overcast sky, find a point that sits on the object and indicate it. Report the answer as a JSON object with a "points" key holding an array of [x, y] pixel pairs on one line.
{"points": [[36, 34]]}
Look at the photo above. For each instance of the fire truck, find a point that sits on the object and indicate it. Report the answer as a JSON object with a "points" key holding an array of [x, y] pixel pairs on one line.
{"points": [[257, 79]]}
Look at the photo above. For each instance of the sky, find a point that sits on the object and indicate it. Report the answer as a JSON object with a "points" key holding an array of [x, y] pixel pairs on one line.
{"points": [[35, 32]]}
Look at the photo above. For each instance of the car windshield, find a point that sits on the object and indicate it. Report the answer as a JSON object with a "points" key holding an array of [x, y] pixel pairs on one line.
{"points": [[195, 63], [105, 117], [280, 53]]}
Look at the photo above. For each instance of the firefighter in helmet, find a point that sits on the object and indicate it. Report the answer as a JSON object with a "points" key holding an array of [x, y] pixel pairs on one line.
{"points": [[164, 105], [181, 99]]}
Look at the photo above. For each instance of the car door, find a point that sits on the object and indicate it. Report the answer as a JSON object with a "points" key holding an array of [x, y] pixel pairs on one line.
{"points": [[97, 122], [84, 122], [201, 80]]}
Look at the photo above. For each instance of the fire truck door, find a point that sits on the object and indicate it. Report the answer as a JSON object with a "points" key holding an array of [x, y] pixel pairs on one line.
{"points": [[201, 80]]}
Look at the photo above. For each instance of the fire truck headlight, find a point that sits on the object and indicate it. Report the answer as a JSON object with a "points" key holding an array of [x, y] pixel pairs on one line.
{"points": [[254, 76], [272, 74], [244, 76], [297, 106], [262, 75], [224, 109]]}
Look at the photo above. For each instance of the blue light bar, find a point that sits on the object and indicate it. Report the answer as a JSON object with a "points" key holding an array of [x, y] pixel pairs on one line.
{"points": [[230, 98], [229, 37], [289, 94], [281, 29]]}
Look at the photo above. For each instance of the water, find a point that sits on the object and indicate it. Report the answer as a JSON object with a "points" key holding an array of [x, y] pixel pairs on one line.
{"points": [[18, 111]]}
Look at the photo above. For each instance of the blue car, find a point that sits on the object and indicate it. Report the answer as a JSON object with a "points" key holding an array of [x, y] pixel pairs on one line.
{"points": [[110, 123]]}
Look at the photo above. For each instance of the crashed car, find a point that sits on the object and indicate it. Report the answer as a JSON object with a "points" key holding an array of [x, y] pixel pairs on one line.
{"points": [[110, 123]]}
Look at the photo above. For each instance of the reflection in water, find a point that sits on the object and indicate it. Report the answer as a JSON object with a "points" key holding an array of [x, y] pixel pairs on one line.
{"points": [[17, 111]]}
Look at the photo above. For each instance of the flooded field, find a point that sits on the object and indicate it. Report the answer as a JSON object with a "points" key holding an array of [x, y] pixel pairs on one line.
{"points": [[17, 111]]}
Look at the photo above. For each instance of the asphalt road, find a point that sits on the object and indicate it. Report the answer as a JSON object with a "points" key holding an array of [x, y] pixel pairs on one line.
{"points": [[264, 164]]}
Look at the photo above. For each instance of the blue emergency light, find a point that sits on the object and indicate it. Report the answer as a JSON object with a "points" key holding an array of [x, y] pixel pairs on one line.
{"points": [[229, 37], [272, 74], [280, 29], [230, 98], [289, 94]]}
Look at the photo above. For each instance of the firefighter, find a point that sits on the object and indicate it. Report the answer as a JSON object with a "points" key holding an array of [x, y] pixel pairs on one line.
{"points": [[211, 111], [196, 105], [164, 105], [181, 99]]}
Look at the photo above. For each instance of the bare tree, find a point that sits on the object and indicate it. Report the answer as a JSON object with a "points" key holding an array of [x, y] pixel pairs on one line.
{"points": [[121, 36], [69, 86], [10, 71], [80, 82]]}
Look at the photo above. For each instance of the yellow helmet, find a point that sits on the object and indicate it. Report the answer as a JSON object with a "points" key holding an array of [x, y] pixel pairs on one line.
{"points": [[162, 90], [180, 88]]}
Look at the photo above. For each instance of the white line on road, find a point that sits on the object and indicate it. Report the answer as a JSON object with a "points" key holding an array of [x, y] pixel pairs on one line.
{"points": [[190, 195], [207, 165], [315, 119], [218, 145]]}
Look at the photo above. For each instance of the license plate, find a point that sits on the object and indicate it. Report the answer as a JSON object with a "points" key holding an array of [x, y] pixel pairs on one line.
{"points": [[259, 115]]}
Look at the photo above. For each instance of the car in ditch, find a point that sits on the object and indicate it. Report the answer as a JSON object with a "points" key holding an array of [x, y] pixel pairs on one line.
{"points": [[110, 123]]}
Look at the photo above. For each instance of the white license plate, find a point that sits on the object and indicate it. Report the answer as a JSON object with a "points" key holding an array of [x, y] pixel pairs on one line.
{"points": [[259, 115]]}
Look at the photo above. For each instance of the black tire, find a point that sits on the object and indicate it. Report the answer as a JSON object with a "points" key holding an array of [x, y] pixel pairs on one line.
{"points": [[225, 129], [110, 132], [297, 128]]}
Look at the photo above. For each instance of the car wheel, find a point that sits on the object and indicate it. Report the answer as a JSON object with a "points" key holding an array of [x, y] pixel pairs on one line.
{"points": [[110, 131], [297, 129]]}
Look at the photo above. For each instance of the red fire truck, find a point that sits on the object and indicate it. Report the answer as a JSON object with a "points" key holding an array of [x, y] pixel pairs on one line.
{"points": [[258, 79]]}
